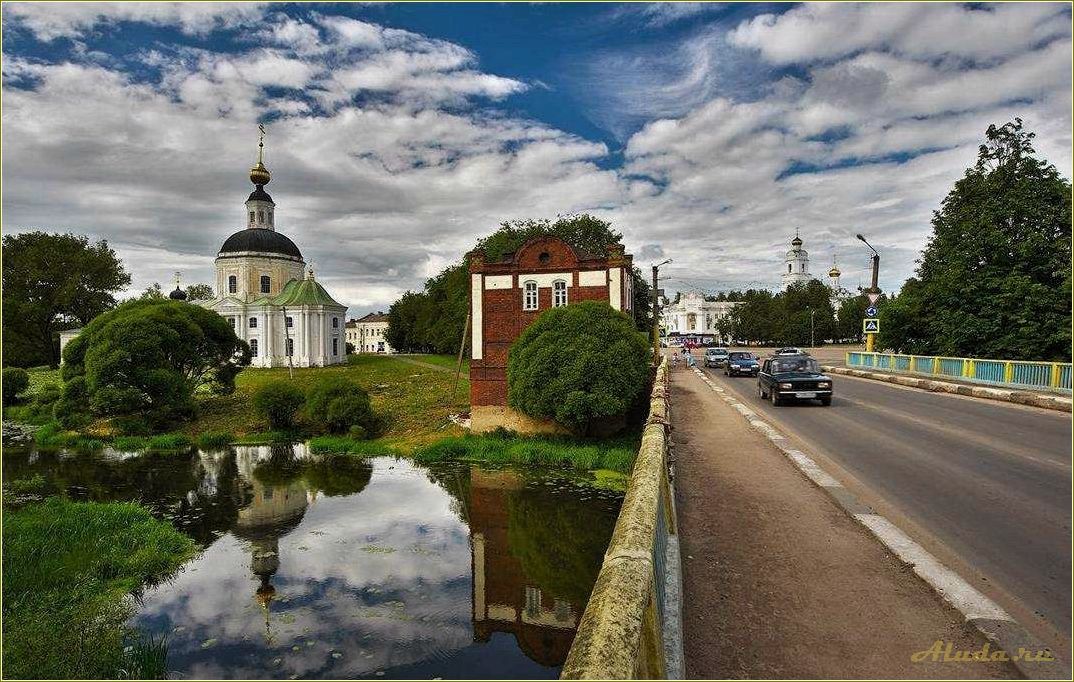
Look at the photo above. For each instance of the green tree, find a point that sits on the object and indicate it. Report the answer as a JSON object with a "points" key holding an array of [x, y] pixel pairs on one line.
{"points": [[995, 277], [147, 358], [807, 314], [337, 405], [199, 292], [153, 292], [278, 402], [848, 318], [53, 282], [578, 364]]}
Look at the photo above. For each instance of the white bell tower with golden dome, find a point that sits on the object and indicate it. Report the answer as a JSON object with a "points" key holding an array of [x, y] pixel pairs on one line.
{"points": [[796, 263]]}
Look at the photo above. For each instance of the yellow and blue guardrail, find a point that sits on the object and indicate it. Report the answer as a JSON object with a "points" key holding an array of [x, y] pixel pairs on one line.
{"points": [[1054, 376]]}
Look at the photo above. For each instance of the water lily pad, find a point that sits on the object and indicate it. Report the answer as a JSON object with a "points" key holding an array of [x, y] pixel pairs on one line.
{"points": [[287, 618], [211, 642]]}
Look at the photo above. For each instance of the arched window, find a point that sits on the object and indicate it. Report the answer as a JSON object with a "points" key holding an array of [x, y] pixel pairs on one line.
{"points": [[335, 323], [251, 217], [253, 347], [559, 293], [232, 284], [529, 296], [265, 284], [335, 346], [253, 323], [290, 346], [290, 321], [260, 216], [789, 266], [270, 216]]}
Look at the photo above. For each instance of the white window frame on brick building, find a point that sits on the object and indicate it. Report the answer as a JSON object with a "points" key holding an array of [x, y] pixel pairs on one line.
{"points": [[559, 293], [529, 295]]}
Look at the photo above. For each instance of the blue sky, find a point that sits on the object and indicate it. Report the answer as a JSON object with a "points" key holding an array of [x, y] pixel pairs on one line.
{"points": [[399, 133]]}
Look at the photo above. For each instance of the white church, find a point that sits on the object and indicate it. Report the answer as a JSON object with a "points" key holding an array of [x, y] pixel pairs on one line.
{"points": [[273, 301]]}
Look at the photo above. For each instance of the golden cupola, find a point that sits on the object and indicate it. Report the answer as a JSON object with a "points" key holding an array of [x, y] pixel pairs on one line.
{"points": [[259, 175]]}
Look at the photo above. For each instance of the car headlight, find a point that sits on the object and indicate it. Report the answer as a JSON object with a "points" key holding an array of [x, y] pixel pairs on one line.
{"points": [[786, 385], [824, 384], [734, 366]]}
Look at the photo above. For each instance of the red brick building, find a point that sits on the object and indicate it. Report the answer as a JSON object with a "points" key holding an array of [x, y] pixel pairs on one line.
{"points": [[506, 296]]}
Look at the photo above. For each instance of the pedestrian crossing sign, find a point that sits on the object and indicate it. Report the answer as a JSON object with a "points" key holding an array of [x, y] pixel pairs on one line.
{"points": [[870, 325]]}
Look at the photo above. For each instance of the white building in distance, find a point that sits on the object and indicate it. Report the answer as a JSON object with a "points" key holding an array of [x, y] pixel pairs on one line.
{"points": [[368, 334], [796, 264], [272, 300], [694, 319]]}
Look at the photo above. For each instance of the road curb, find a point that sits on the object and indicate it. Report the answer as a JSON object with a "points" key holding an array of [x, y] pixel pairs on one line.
{"points": [[985, 615], [1048, 402]]}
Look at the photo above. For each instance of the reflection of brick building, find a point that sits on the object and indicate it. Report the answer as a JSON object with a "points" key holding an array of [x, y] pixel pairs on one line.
{"points": [[506, 296], [504, 599]]}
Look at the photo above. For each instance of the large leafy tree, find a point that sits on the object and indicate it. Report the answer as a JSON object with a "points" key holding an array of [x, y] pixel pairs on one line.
{"points": [[995, 277], [578, 364], [432, 320], [147, 358], [53, 282]]}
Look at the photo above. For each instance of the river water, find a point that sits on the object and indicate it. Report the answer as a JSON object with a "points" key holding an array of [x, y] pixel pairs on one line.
{"points": [[341, 567]]}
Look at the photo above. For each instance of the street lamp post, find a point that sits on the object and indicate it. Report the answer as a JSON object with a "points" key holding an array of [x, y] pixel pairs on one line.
{"points": [[870, 338], [656, 311], [812, 339]]}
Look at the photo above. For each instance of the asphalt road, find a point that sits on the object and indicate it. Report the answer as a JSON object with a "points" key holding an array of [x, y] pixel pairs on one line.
{"points": [[984, 485]]}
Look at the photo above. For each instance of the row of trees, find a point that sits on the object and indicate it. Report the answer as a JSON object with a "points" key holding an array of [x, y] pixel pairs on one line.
{"points": [[995, 277], [432, 320], [801, 315]]}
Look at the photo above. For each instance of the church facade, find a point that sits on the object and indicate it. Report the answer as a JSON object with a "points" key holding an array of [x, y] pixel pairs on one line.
{"points": [[272, 300]]}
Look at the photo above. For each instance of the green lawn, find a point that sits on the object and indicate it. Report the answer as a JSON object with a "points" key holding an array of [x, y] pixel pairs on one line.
{"points": [[415, 399], [69, 570]]}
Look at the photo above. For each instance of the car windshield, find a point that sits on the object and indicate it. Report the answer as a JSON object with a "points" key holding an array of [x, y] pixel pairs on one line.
{"points": [[717, 351], [740, 356], [795, 365]]}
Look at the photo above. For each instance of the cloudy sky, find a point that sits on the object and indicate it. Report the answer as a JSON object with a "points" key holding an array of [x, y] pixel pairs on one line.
{"points": [[398, 134]]}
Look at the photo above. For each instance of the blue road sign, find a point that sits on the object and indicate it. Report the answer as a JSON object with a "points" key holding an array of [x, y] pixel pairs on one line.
{"points": [[870, 311], [870, 326]]}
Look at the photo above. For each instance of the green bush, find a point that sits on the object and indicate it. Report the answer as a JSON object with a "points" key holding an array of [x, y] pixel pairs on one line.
{"points": [[335, 405], [132, 426], [72, 409], [212, 440], [147, 358], [578, 364], [15, 380], [278, 402]]}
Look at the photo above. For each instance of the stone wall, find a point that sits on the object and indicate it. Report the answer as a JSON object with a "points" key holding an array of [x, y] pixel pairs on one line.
{"points": [[631, 628]]}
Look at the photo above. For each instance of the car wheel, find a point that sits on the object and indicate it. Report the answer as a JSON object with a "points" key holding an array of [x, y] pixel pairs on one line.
{"points": [[776, 402], [826, 401], [760, 393]]}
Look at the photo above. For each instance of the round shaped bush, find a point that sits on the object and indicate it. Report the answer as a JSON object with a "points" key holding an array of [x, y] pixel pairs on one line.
{"points": [[15, 380], [577, 364], [279, 402], [335, 405]]}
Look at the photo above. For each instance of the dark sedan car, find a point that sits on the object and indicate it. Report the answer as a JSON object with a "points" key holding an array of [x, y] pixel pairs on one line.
{"points": [[739, 362], [793, 377]]}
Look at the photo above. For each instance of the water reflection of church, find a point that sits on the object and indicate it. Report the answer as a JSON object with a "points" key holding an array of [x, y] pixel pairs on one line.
{"points": [[504, 597]]}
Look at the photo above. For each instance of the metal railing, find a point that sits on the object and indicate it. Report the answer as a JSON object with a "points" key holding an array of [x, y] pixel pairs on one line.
{"points": [[1052, 376]]}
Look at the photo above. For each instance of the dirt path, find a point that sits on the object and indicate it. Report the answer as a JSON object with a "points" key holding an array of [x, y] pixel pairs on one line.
{"points": [[778, 581]]}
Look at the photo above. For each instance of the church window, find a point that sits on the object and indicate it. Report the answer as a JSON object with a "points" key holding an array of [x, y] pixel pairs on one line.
{"points": [[270, 217], [290, 321], [789, 266], [265, 284], [290, 344], [234, 322], [253, 323], [529, 296], [253, 346], [260, 216], [559, 293], [335, 323], [335, 346], [251, 217], [232, 284]]}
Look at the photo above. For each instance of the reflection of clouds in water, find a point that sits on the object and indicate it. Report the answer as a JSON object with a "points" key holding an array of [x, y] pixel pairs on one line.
{"points": [[381, 577]]}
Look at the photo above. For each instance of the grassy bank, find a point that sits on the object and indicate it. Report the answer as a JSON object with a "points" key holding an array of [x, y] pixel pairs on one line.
{"points": [[69, 569], [615, 455], [415, 400]]}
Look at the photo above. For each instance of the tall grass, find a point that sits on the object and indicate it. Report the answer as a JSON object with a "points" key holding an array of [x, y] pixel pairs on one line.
{"points": [[497, 449], [130, 443], [53, 436], [215, 440], [69, 569], [170, 441]]}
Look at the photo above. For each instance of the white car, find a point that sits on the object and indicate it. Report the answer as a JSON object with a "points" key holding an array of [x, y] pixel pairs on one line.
{"points": [[791, 350]]}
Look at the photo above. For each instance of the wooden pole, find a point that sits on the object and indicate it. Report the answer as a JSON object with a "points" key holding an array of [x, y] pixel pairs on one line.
{"points": [[462, 348]]}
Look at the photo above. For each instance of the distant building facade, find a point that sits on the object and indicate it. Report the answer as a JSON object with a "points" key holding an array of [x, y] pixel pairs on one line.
{"points": [[507, 296], [369, 334], [693, 319], [796, 264]]}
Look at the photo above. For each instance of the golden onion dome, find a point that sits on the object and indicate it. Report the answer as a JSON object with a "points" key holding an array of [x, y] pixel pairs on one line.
{"points": [[834, 272], [259, 175]]}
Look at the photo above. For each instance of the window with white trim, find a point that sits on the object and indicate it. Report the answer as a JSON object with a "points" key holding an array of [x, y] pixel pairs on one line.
{"points": [[529, 296], [559, 293], [253, 323], [232, 284], [290, 347], [253, 347]]}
